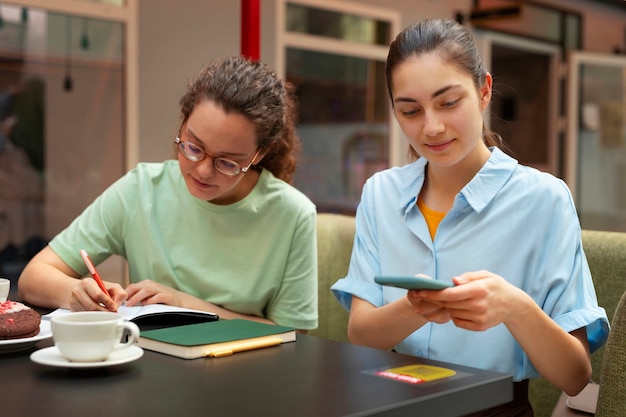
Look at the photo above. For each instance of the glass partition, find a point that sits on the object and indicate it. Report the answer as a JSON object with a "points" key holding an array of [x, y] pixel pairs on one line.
{"points": [[311, 20], [597, 140], [343, 125], [61, 123], [335, 57]]}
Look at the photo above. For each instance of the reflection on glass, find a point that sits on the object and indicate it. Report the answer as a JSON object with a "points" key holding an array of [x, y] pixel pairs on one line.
{"points": [[61, 124], [539, 21], [601, 171], [314, 21], [572, 36], [520, 106], [343, 125]]}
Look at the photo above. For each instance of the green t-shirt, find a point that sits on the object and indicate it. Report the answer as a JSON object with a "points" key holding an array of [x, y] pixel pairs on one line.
{"points": [[257, 256]]}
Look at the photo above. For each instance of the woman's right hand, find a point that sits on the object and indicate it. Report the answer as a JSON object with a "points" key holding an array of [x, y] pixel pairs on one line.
{"points": [[87, 296], [48, 282], [431, 311]]}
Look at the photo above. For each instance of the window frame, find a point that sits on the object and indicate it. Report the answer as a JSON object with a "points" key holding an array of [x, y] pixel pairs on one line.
{"points": [[286, 39]]}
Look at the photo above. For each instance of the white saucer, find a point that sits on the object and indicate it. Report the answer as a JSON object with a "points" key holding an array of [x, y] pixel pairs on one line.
{"points": [[12, 345], [52, 357]]}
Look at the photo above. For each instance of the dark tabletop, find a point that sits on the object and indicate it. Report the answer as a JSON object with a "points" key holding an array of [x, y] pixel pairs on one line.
{"points": [[309, 377]]}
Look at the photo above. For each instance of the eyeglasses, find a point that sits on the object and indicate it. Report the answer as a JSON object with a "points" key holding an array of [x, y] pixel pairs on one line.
{"points": [[225, 166]]}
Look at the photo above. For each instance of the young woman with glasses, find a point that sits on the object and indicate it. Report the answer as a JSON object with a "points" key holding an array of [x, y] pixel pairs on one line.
{"points": [[464, 212], [219, 229]]}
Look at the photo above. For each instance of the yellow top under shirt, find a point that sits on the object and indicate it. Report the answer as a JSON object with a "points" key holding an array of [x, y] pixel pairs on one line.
{"points": [[432, 217]]}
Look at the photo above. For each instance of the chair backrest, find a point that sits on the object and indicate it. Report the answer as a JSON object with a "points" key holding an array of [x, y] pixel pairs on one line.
{"points": [[612, 395], [335, 236], [606, 254]]}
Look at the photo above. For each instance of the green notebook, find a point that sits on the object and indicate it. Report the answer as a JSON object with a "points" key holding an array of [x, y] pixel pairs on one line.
{"points": [[216, 338]]}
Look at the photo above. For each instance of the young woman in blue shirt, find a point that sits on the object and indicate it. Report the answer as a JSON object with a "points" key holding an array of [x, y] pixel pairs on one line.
{"points": [[506, 235]]}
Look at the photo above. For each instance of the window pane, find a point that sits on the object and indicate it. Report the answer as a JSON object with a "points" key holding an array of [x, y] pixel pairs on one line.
{"points": [[601, 166], [520, 108], [314, 21], [343, 125], [62, 142], [531, 20], [573, 35]]}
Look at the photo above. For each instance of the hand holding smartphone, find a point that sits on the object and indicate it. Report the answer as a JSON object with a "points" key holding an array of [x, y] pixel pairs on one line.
{"points": [[418, 282]]}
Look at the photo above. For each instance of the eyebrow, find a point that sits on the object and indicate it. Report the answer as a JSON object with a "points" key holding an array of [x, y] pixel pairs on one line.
{"points": [[433, 95]]}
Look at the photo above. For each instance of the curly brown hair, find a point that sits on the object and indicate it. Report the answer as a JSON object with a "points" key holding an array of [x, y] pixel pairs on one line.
{"points": [[251, 89]]}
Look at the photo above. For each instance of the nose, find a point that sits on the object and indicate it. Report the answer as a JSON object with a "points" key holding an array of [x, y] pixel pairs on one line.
{"points": [[433, 125], [205, 168]]}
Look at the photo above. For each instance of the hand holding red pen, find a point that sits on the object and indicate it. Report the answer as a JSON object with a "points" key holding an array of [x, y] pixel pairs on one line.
{"points": [[96, 277]]}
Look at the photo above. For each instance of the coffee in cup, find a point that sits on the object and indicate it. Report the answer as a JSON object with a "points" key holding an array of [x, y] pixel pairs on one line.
{"points": [[91, 336]]}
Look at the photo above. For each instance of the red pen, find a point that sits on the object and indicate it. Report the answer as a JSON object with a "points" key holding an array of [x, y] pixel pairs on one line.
{"points": [[93, 272]]}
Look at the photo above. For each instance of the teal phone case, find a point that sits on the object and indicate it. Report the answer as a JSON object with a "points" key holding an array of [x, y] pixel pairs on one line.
{"points": [[412, 283]]}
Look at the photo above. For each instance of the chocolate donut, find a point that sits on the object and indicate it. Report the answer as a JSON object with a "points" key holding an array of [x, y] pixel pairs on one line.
{"points": [[18, 321]]}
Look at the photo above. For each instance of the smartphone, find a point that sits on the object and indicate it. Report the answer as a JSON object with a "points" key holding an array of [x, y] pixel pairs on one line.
{"points": [[412, 282]]}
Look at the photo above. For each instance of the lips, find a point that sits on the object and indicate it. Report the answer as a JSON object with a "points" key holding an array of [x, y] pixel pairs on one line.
{"points": [[439, 146], [201, 185]]}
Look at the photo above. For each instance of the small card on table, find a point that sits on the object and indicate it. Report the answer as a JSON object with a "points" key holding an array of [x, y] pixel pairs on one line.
{"points": [[415, 374]]}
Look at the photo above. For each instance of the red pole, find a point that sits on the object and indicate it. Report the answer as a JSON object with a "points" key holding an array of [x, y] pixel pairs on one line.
{"points": [[250, 29]]}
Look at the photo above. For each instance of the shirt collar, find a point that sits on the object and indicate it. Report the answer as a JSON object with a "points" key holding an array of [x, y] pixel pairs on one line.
{"points": [[478, 192], [413, 176]]}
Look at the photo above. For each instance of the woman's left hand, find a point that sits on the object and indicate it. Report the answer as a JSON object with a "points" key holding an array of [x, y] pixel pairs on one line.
{"points": [[150, 292], [480, 300]]}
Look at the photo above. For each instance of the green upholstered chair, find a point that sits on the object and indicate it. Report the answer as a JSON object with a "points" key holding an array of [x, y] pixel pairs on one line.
{"points": [[612, 395], [606, 254], [335, 235]]}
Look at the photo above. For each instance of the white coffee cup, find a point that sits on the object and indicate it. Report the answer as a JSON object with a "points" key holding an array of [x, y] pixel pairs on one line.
{"points": [[91, 336], [5, 287]]}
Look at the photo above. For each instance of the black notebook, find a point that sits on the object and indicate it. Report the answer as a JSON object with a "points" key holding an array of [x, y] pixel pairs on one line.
{"points": [[157, 316]]}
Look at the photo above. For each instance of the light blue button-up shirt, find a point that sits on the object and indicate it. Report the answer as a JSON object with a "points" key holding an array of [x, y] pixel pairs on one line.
{"points": [[511, 220]]}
